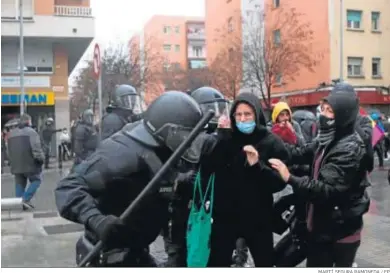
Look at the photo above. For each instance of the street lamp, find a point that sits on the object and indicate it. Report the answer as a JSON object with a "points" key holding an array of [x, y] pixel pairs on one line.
{"points": [[341, 41], [21, 57]]}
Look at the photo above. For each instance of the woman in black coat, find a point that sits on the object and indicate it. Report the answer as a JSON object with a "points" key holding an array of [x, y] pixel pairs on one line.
{"points": [[244, 183]]}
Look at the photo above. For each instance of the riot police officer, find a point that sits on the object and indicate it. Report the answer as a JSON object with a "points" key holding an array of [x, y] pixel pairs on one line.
{"points": [[101, 187], [47, 136], [86, 138], [211, 99], [125, 107], [208, 98]]}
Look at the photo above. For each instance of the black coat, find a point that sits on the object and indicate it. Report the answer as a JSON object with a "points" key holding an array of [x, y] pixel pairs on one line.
{"points": [[243, 201]]}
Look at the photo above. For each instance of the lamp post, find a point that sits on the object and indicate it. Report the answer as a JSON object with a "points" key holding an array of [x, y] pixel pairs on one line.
{"points": [[21, 58]]}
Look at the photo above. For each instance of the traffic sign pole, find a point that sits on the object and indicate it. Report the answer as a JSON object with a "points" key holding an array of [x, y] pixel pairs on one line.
{"points": [[97, 70]]}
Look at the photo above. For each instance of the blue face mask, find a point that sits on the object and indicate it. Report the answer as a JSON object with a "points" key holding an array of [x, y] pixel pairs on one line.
{"points": [[246, 127]]}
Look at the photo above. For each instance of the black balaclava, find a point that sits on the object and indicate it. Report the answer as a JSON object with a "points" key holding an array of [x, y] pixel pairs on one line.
{"points": [[345, 105]]}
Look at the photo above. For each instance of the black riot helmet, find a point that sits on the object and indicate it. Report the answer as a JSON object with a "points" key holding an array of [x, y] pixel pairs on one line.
{"points": [[168, 121], [126, 97], [211, 99], [87, 117]]}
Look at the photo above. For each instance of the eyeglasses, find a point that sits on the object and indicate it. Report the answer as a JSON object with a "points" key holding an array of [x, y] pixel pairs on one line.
{"points": [[243, 114]]}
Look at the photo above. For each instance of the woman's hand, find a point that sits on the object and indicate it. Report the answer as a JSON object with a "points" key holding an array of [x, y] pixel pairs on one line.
{"points": [[252, 156], [281, 168], [223, 122]]}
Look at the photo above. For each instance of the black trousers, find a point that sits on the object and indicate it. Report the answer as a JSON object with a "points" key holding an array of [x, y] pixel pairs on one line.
{"points": [[331, 254]]}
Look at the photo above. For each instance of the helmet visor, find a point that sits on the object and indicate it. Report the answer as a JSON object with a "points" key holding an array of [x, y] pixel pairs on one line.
{"points": [[173, 135], [219, 108], [133, 102]]}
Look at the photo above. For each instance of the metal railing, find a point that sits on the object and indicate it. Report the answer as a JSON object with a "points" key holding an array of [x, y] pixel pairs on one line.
{"points": [[72, 11]]}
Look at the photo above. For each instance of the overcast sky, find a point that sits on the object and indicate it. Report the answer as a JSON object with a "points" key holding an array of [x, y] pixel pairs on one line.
{"points": [[118, 20]]}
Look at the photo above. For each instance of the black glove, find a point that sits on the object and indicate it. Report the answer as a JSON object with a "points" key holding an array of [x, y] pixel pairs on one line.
{"points": [[110, 230]]}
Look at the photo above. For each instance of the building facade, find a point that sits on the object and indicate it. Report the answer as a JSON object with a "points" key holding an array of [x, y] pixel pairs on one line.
{"points": [[179, 40], [56, 34], [366, 38]]}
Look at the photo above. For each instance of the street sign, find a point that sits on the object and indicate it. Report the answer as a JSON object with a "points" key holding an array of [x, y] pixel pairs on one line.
{"points": [[96, 61]]}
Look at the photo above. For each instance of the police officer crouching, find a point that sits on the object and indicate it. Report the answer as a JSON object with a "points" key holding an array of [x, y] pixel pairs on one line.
{"points": [[174, 233], [125, 107], [105, 184]]}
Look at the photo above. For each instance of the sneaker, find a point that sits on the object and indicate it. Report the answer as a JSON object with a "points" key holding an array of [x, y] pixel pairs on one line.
{"points": [[27, 206]]}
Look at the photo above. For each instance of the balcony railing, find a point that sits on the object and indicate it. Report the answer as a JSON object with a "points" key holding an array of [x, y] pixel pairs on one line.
{"points": [[72, 11], [196, 36]]}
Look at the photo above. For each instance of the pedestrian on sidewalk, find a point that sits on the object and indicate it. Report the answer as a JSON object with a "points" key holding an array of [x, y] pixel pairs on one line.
{"points": [[26, 159]]}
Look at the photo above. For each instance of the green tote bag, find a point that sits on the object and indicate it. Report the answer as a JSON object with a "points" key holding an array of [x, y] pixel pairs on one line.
{"points": [[199, 224]]}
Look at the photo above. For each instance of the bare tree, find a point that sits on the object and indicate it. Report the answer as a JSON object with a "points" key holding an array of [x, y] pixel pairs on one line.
{"points": [[278, 45], [177, 78], [226, 70], [275, 45], [121, 64]]}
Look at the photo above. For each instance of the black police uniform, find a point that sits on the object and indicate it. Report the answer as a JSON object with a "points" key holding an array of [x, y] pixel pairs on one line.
{"points": [[86, 138], [105, 184], [174, 233], [126, 107]]}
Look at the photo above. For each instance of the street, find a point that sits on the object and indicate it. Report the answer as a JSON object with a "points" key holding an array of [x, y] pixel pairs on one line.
{"points": [[43, 239]]}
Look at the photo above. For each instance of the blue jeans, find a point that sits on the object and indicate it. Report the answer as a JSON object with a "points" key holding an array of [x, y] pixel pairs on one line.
{"points": [[21, 184]]}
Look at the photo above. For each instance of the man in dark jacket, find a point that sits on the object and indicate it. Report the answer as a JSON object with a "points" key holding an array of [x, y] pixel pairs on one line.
{"points": [[47, 135], [125, 107], [26, 158], [336, 189], [86, 139], [105, 184], [243, 188]]}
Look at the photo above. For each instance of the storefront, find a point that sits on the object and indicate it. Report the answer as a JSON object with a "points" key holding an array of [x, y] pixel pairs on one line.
{"points": [[370, 97], [39, 105]]}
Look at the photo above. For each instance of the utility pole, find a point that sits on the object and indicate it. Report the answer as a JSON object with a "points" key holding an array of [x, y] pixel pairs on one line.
{"points": [[341, 41], [21, 58]]}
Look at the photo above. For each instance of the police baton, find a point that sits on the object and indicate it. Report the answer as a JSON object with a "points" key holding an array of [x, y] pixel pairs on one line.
{"points": [[155, 180]]}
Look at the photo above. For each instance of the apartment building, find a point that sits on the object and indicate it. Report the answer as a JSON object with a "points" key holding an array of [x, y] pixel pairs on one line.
{"points": [[366, 39], [181, 42], [56, 34]]}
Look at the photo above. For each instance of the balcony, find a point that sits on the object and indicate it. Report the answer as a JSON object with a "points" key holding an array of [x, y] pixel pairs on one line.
{"points": [[196, 36], [72, 11]]}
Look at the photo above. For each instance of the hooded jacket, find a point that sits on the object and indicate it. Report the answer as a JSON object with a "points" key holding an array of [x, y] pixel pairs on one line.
{"points": [[243, 200], [295, 137], [338, 194]]}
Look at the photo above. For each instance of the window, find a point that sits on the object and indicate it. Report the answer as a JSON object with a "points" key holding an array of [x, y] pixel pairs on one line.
{"points": [[177, 48], [277, 38], [376, 67], [230, 24], [355, 65], [354, 19], [375, 20], [197, 51], [276, 3], [167, 29], [10, 9], [167, 47], [177, 29], [278, 78]]}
